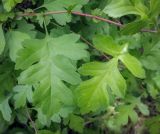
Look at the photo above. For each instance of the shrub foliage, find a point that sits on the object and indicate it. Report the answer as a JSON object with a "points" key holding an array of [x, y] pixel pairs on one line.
{"points": [[79, 66]]}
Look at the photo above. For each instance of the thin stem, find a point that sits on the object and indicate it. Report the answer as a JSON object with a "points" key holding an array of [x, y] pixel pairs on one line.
{"points": [[37, 8], [32, 122], [97, 18], [45, 26], [85, 15]]}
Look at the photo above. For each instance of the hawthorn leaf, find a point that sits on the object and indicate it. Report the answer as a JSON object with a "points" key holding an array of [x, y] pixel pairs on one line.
{"points": [[47, 63], [5, 109], [133, 27], [76, 123], [152, 89], [133, 65], [119, 8], [14, 42], [58, 5], [63, 113], [21, 115], [27, 28], [153, 124], [124, 113], [23, 93], [5, 15], [92, 94], [143, 109], [36, 49], [136, 101], [107, 44], [9, 4], [154, 7], [46, 132], [2, 39], [6, 78], [150, 59], [42, 119]]}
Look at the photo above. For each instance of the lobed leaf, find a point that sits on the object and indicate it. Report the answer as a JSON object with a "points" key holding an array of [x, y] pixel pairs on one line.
{"points": [[92, 95], [47, 64]]}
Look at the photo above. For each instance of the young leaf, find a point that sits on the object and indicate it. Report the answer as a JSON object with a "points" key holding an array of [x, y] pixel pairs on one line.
{"points": [[92, 95], [154, 7], [119, 8], [124, 113], [133, 65], [106, 44], [136, 101]]}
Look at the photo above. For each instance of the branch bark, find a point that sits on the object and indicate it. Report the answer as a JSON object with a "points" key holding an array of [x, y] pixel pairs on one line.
{"points": [[82, 14]]}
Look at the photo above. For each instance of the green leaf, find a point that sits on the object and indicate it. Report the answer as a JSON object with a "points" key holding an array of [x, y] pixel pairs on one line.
{"points": [[14, 42], [150, 57], [106, 44], [133, 27], [46, 64], [27, 28], [9, 4], [21, 115], [133, 65], [143, 109], [5, 109], [2, 39], [154, 7], [119, 8], [23, 93], [58, 5], [46, 132], [152, 89], [76, 123], [5, 15], [136, 101], [6, 78], [92, 95], [124, 113], [42, 119], [153, 124]]}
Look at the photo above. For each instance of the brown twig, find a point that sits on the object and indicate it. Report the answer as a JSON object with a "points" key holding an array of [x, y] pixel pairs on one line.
{"points": [[98, 18], [74, 13], [32, 122], [82, 14]]}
